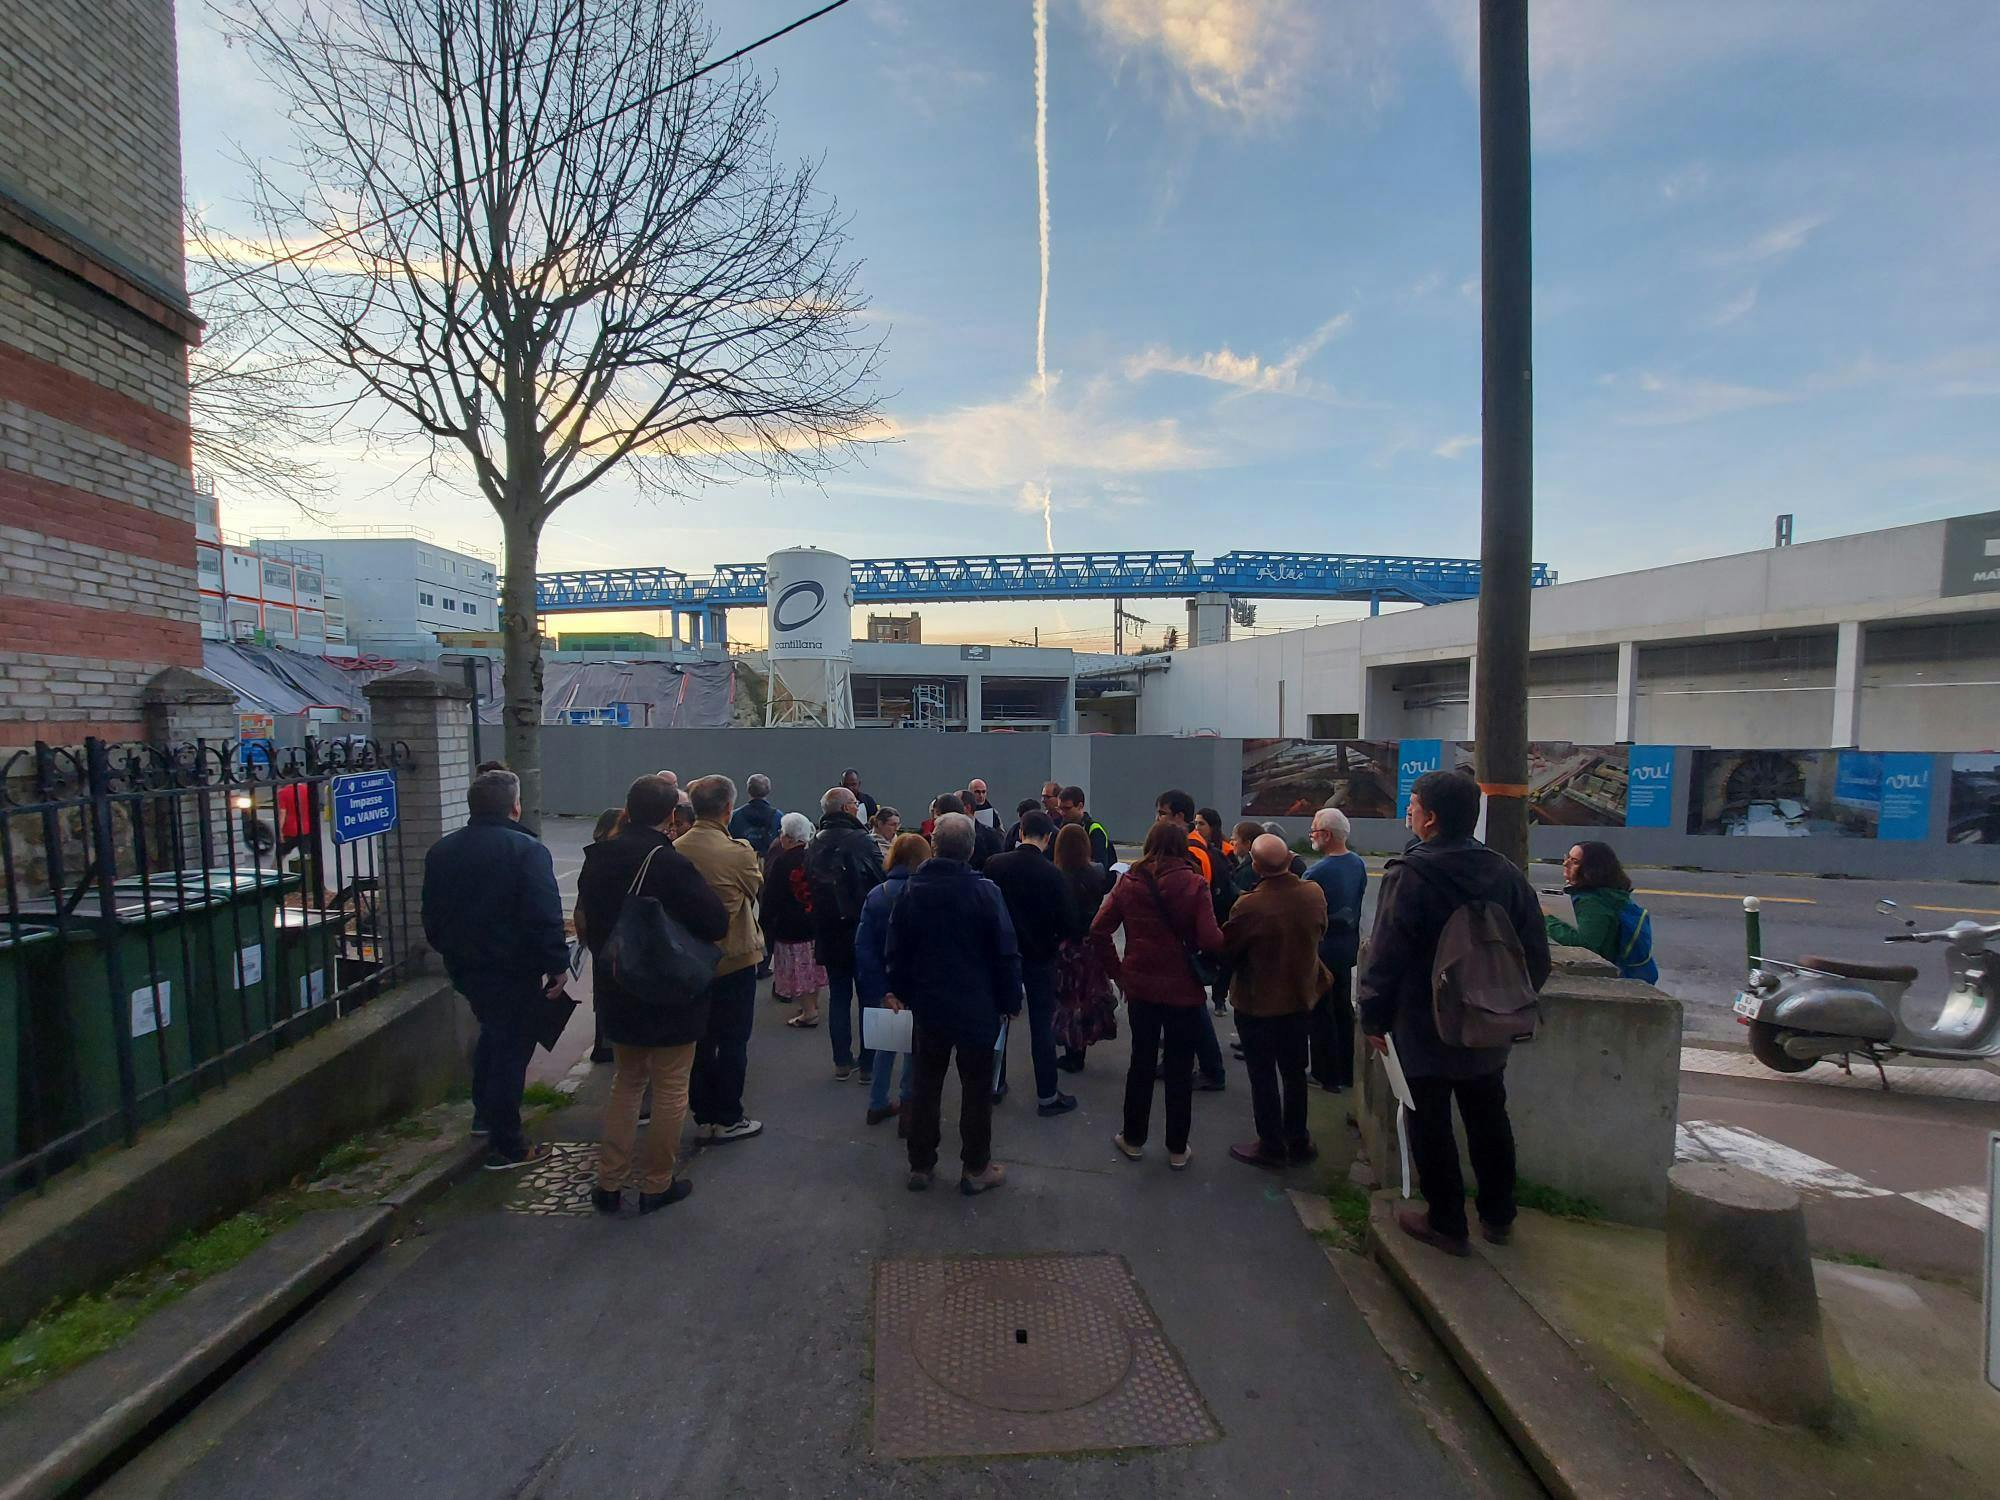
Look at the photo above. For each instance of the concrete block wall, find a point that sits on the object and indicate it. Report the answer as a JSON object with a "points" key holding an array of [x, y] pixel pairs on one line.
{"points": [[97, 567]]}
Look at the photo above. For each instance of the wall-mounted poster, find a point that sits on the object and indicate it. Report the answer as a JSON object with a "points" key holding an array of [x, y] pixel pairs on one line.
{"points": [[1415, 758], [1296, 778], [1577, 786], [1974, 816], [1649, 786], [1905, 796], [1783, 794]]}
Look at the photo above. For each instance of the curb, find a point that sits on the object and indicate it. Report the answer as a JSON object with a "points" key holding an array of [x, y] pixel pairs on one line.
{"points": [[1579, 1436], [65, 1435]]}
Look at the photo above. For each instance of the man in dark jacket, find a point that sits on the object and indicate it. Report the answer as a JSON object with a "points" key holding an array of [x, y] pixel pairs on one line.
{"points": [[1447, 869], [1074, 807], [1044, 915], [491, 909], [986, 842], [756, 821], [652, 1036], [1272, 938], [843, 864], [851, 779], [1343, 875], [953, 961]]}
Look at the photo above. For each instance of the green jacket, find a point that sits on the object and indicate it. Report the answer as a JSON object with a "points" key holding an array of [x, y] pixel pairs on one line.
{"points": [[1596, 921]]}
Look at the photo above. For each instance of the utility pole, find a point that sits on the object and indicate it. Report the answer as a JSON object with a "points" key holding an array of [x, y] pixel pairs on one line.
{"points": [[1507, 507]]}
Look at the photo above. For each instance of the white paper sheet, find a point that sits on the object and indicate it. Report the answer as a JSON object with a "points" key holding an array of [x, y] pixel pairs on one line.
{"points": [[885, 1030]]}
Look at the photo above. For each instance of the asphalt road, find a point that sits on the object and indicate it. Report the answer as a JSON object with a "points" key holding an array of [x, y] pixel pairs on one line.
{"points": [[725, 1348]]}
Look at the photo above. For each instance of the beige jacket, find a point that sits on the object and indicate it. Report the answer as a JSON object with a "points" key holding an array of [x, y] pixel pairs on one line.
{"points": [[734, 873]]}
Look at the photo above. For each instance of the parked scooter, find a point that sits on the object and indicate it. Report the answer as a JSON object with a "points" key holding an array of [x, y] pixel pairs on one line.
{"points": [[1819, 1007]]}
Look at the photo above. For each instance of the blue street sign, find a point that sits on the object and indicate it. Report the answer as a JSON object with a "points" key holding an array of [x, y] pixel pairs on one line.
{"points": [[1413, 759], [364, 805], [1649, 787], [1906, 797]]}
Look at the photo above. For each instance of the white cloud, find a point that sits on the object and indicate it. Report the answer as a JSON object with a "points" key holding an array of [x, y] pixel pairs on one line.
{"points": [[1689, 182], [1671, 400], [1456, 445], [1248, 372], [1003, 448], [1775, 243], [1260, 59], [1736, 308]]}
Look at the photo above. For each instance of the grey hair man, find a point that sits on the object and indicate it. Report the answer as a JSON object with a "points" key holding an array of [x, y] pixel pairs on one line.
{"points": [[756, 821], [842, 866], [953, 961], [1343, 877], [736, 875]]}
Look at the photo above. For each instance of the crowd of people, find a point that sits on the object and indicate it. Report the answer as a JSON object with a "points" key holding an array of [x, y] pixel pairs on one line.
{"points": [[976, 926]]}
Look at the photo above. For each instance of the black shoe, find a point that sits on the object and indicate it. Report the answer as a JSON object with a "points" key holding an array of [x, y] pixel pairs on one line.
{"points": [[919, 1182], [605, 1201], [1300, 1156], [1210, 1085], [1062, 1104], [1221, 1007], [533, 1156], [650, 1202], [1497, 1234], [1000, 1093], [601, 1055], [645, 1114], [1071, 1064]]}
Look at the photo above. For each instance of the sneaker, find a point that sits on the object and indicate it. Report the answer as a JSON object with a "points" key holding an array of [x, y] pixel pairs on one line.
{"points": [[842, 1072], [919, 1182], [607, 1200], [742, 1130], [703, 1134], [1210, 1085], [1178, 1160], [646, 1113], [975, 1183], [1417, 1225], [864, 1077], [481, 1130], [1497, 1234], [887, 1111], [1126, 1149], [541, 1152], [1253, 1154], [1070, 1064], [1221, 1007], [654, 1202], [1062, 1104]]}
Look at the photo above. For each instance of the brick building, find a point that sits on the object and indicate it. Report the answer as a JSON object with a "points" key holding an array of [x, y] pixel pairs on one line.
{"points": [[97, 506]]}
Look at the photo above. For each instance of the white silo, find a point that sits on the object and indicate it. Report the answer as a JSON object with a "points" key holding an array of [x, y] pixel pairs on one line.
{"points": [[809, 595]]}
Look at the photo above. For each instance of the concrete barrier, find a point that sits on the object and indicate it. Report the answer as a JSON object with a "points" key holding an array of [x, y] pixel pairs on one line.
{"points": [[1594, 1098], [399, 1053]]}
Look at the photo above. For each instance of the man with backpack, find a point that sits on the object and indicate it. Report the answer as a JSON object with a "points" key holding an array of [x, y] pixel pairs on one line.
{"points": [[842, 867], [1456, 958]]}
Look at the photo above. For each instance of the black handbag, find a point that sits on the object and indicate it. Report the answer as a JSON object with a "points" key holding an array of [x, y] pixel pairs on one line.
{"points": [[1205, 969], [652, 956]]}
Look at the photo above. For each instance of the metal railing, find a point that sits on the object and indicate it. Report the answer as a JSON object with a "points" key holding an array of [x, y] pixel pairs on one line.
{"points": [[175, 914]]}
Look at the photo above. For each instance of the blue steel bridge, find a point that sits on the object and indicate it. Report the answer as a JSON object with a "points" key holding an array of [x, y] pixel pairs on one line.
{"points": [[1054, 576]]}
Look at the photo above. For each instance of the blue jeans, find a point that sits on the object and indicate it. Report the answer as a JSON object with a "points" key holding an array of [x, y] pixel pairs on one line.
{"points": [[885, 1064], [840, 999]]}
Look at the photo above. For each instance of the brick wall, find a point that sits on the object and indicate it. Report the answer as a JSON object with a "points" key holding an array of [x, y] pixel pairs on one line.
{"points": [[90, 121], [97, 564]]}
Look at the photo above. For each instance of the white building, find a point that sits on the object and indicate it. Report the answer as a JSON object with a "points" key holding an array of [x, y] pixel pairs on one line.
{"points": [[399, 590], [1889, 640]]}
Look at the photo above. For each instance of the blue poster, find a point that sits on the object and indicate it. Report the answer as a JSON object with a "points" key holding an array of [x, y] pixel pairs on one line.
{"points": [[1649, 787], [1906, 797], [1413, 759], [363, 805], [1857, 778]]}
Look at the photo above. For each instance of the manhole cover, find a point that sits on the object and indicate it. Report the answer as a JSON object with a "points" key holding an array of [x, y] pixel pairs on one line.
{"points": [[1020, 1343], [1037, 1354], [561, 1185]]}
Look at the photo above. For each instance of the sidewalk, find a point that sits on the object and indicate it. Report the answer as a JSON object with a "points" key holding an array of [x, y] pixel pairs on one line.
{"points": [[725, 1346]]}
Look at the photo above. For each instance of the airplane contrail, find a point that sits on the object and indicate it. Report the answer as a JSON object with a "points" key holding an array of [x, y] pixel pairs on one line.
{"points": [[1042, 311]]}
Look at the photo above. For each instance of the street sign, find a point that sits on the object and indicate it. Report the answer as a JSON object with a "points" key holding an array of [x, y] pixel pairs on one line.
{"points": [[1993, 1260], [364, 805]]}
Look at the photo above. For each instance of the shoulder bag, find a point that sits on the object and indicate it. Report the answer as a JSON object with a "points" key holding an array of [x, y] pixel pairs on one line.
{"points": [[652, 955], [1204, 969]]}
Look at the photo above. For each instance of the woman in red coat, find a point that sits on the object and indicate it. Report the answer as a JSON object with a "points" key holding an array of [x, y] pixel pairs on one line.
{"points": [[1167, 913]]}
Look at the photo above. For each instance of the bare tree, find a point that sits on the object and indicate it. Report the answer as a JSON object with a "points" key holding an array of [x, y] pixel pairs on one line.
{"points": [[258, 404], [553, 242]]}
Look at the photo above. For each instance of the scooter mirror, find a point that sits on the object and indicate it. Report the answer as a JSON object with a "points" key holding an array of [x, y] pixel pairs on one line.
{"points": [[1887, 907]]}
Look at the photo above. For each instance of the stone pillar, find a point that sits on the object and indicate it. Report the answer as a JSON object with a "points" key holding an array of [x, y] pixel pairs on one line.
{"points": [[1847, 664], [432, 719], [1742, 1310], [183, 708], [975, 701], [1627, 712]]}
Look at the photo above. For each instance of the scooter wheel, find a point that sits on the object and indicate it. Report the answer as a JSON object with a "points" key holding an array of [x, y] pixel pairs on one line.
{"points": [[1767, 1045]]}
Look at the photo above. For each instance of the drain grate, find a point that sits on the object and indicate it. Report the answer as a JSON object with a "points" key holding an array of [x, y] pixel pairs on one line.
{"points": [[1042, 1354]]}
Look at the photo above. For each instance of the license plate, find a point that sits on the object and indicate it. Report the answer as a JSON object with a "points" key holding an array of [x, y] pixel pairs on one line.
{"points": [[1749, 1005]]}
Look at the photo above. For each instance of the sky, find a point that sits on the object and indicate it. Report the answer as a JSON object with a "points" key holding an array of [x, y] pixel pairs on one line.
{"points": [[1766, 242]]}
